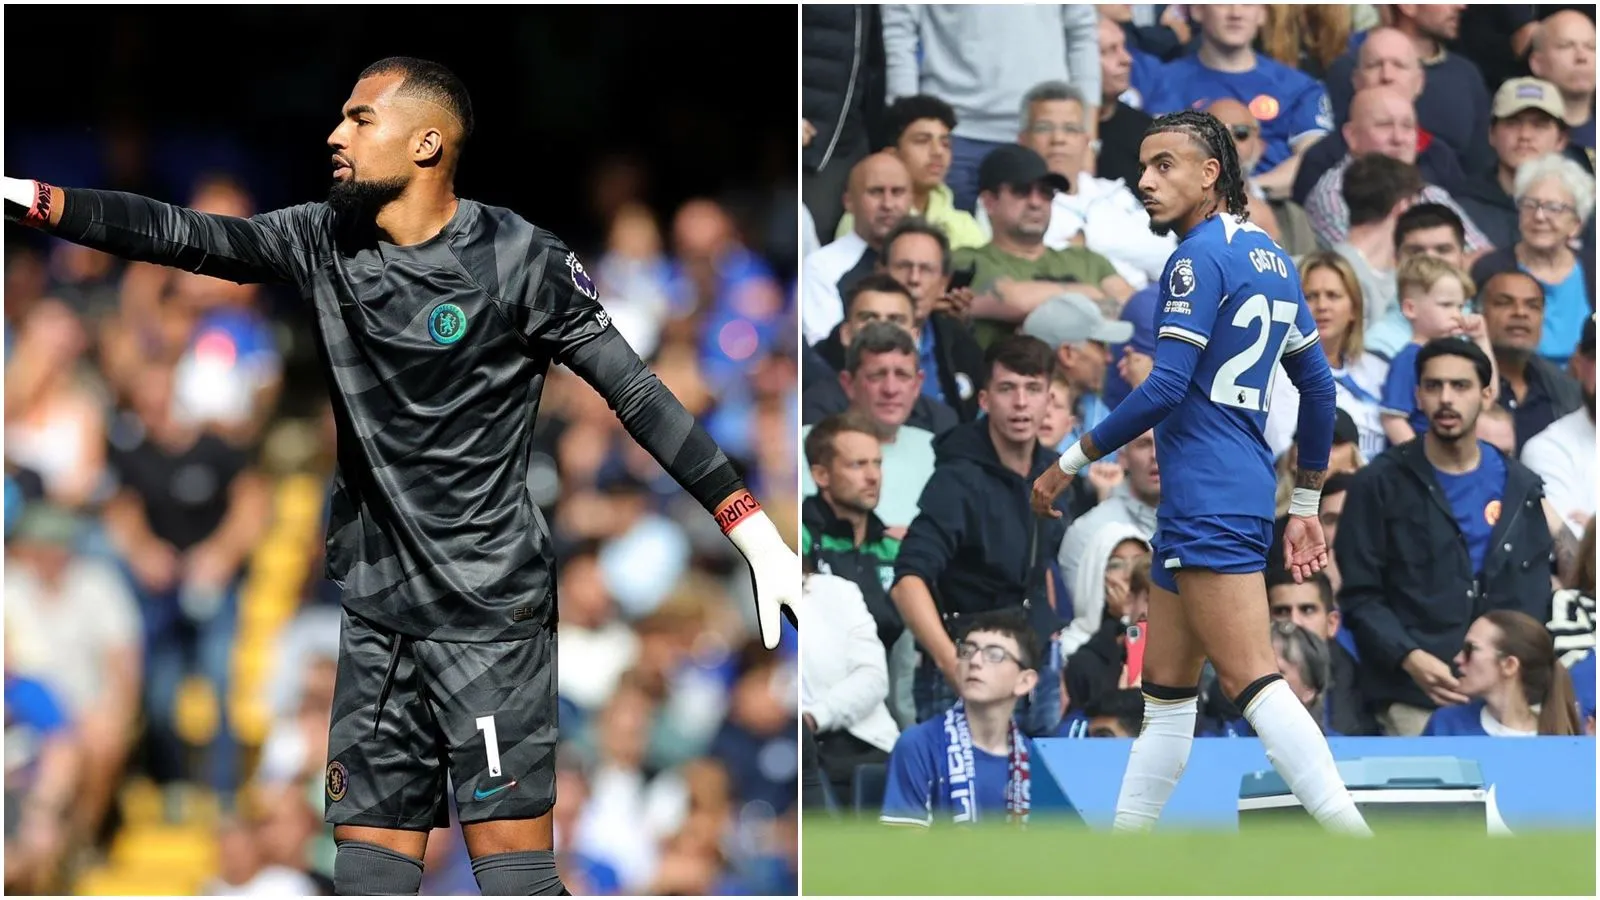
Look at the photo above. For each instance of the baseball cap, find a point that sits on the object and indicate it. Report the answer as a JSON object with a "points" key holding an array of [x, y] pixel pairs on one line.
{"points": [[1071, 318], [1519, 94], [1017, 166]]}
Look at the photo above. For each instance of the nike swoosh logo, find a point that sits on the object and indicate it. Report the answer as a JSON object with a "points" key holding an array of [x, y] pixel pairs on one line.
{"points": [[481, 794]]}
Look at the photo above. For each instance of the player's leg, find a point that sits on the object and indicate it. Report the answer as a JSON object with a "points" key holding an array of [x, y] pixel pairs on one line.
{"points": [[1228, 611], [385, 775], [496, 706], [1171, 685]]}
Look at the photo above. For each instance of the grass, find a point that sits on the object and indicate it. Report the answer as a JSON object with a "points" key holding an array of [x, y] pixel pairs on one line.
{"points": [[1286, 859]]}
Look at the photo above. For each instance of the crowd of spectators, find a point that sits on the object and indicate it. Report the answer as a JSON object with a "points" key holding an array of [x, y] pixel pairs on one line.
{"points": [[980, 289], [169, 634]]}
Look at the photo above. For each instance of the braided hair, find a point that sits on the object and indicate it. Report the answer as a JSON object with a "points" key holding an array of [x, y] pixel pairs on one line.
{"points": [[1208, 131]]}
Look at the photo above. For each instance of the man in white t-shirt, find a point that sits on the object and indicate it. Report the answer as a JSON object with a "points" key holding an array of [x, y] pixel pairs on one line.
{"points": [[1563, 454]]}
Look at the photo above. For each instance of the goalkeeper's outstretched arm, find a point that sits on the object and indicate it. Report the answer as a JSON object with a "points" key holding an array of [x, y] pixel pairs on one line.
{"points": [[264, 248]]}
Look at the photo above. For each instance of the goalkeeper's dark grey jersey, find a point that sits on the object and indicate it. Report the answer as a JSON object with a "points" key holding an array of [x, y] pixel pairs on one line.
{"points": [[436, 355]]}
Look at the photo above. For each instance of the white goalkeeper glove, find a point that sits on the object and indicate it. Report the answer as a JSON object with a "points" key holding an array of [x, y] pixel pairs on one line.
{"points": [[27, 201], [774, 568]]}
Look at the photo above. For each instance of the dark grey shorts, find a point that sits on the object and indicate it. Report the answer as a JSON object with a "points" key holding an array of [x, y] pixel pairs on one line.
{"points": [[408, 712]]}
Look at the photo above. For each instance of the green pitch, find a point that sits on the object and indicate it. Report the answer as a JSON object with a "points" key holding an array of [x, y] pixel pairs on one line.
{"points": [[1414, 859]]}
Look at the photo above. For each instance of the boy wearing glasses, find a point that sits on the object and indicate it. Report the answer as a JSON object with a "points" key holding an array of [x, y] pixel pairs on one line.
{"points": [[973, 763]]}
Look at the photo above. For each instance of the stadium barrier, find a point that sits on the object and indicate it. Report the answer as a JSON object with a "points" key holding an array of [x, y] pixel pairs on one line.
{"points": [[1539, 782]]}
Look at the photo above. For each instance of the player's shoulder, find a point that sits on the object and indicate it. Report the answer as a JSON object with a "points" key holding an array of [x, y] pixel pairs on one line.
{"points": [[520, 253], [508, 229]]}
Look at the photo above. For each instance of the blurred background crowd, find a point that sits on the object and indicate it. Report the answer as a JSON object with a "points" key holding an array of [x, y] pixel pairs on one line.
{"points": [[169, 638], [980, 288]]}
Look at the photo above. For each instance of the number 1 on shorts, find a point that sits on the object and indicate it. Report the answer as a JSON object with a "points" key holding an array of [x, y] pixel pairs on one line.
{"points": [[491, 744]]}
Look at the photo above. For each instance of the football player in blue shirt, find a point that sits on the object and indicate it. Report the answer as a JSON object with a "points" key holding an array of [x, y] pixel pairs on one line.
{"points": [[1230, 310]]}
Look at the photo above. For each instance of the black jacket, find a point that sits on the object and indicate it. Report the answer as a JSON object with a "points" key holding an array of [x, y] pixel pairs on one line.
{"points": [[841, 80], [974, 538], [1408, 580], [831, 543]]}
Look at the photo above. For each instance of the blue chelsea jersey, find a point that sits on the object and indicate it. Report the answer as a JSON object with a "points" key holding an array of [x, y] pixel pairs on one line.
{"points": [[1230, 290]]}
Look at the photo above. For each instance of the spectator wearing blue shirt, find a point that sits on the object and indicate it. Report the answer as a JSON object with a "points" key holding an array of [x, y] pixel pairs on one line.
{"points": [[1435, 524], [1433, 295], [1291, 107], [973, 763], [1516, 684]]}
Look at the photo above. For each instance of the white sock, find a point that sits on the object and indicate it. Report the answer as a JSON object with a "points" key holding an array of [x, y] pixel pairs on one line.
{"points": [[1156, 762], [1297, 748]]}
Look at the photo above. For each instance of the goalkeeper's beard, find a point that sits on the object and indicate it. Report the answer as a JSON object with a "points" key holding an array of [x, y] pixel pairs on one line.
{"points": [[363, 199]]}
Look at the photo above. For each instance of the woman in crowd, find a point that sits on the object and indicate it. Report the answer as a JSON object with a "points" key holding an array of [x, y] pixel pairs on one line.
{"points": [[1518, 686], [1334, 295], [1554, 198]]}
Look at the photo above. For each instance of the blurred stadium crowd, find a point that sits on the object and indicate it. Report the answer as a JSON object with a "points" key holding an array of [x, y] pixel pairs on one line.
{"points": [[980, 288], [170, 640]]}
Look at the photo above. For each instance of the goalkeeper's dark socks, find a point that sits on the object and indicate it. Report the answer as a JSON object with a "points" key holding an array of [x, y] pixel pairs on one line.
{"points": [[529, 873], [1297, 748], [368, 870]]}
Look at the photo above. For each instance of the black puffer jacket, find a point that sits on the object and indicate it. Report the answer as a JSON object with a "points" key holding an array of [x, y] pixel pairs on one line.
{"points": [[1408, 579], [842, 79]]}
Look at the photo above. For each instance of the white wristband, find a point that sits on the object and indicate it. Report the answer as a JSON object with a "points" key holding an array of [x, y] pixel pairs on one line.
{"points": [[1073, 461], [1305, 501], [19, 191]]}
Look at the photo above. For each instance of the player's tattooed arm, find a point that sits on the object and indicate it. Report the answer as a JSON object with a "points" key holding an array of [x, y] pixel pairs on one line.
{"points": [[1311, 481]]}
